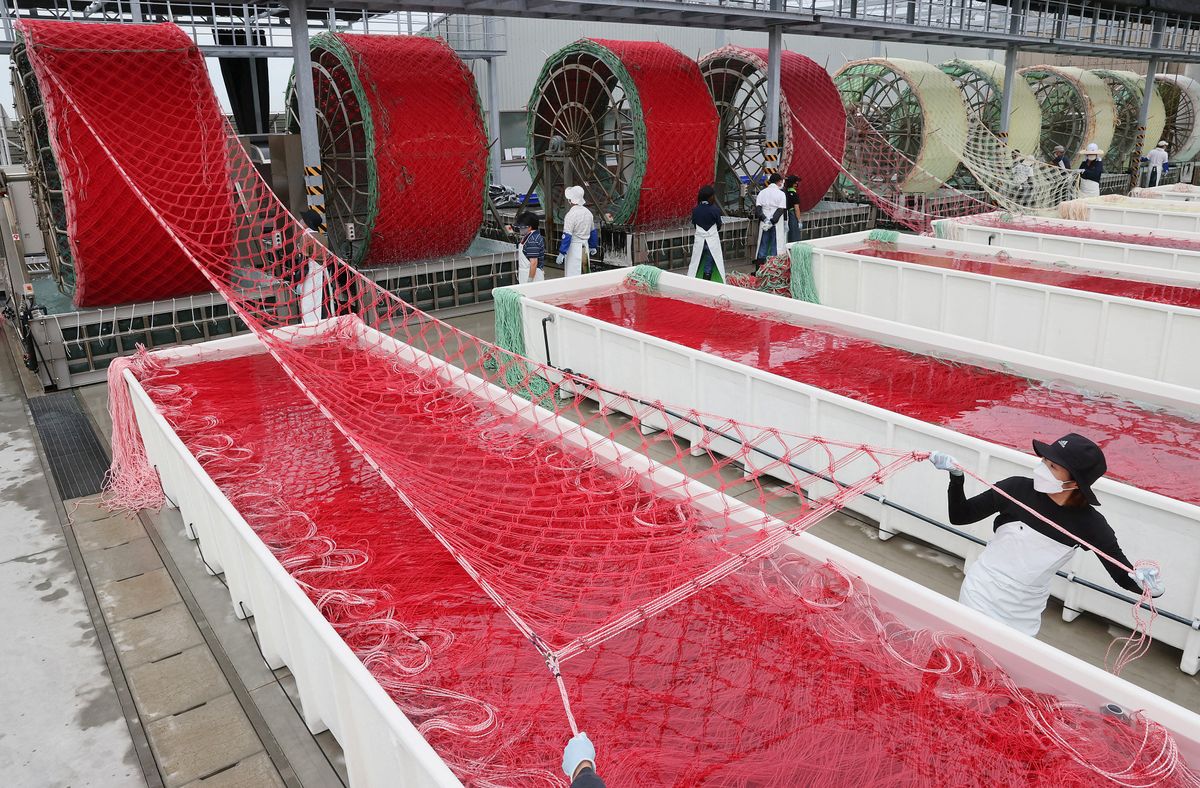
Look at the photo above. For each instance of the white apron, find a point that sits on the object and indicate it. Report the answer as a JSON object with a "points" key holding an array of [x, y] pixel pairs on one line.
{"points": [[780, 236], [1088, 188], [523, 268], [312, 292], [573, 264], [1010, 581], [712, 239]]}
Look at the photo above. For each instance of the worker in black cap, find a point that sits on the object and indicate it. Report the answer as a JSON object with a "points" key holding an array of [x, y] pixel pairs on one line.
{"points": [[1010, 581]]}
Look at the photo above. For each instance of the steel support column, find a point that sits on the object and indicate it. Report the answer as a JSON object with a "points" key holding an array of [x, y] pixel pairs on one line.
{"points": [[493, 107], [1010, 78], [306, 111], [1135, 161], [774, 57]]}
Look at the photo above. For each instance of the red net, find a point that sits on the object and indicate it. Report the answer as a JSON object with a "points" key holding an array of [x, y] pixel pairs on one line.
{"points": [[1096, 232], [119, 253], [737, 78], [636, 123], [680, 128], [1008, 266], [785, 674], [622, 557], [401, 128]]}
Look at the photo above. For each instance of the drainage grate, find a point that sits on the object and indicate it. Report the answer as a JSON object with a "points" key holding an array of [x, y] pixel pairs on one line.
{"points": [[76, 455]]}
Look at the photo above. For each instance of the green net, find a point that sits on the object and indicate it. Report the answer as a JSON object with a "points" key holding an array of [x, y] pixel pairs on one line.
{"points": [[803, 285]]}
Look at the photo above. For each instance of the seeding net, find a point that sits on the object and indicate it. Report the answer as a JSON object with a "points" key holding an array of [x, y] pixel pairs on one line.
{"points": [[1077, 109], [1128, 90], [630, 121], [1181, 102], [577, 526], [737, 79], [401, 130], [109, 248], [614, 552]]}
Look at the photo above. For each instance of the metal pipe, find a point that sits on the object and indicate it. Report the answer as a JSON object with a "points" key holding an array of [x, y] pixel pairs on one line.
{"points": [[493, 102], [1010, 77], [306, 110], [774, 65]]}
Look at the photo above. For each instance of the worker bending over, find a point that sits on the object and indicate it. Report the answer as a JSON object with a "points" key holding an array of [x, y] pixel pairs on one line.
{"points": [[1010, 581], [579, 763], [770, 207], [579, 235], [708, 261], [1158, 161]]}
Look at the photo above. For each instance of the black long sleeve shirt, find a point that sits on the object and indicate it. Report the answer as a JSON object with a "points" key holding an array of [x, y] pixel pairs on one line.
{"points": [[587, 778], [705, 215], [1082, 521], [1092, 170]]}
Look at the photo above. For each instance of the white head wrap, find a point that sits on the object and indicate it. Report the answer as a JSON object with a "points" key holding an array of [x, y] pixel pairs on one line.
{"points": [[574, 195]]}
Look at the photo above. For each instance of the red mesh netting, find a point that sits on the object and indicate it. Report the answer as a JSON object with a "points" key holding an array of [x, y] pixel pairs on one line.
{"points": [[680, 128], [607, 555], [121, 254], [770, 678], [401, 129], [807, 91], [1093, 231]]}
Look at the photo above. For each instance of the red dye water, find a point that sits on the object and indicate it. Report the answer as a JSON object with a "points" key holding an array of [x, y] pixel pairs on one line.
{"points": [[1125, 235], [1029, 271], [777, 676], [1149, 449]]}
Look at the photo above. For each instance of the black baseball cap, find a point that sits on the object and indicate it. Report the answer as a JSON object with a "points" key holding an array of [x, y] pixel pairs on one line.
{"points": [[1082, 458]]}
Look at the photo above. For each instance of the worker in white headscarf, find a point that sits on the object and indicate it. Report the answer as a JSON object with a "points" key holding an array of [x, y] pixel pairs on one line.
{"points": [[579, 235], [1157, 159], [1091, 170], [770, 208]]}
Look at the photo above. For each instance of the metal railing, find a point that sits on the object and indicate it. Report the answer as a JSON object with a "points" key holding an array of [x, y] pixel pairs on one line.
{"points": [[264, 29]]}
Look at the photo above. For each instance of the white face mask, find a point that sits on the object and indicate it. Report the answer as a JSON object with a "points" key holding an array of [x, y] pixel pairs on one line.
{"points": [[1044, 481]]}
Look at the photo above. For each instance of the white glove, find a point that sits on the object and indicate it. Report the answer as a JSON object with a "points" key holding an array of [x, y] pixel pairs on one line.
{"points": [[944, 462], [593, 252], [562, 259], [1148, 578], [578, 750]]}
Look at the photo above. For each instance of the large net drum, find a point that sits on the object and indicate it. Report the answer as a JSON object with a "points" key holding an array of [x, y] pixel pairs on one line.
{"points": [[1181, 101], [906, 124], [812, 121], [403, 147], [630, 121], [108, 246], [1127, 91], [1077, 109]]}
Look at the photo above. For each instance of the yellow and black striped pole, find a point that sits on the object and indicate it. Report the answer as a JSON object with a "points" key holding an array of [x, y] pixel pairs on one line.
{"points": [[314, 186], [770, 157]]}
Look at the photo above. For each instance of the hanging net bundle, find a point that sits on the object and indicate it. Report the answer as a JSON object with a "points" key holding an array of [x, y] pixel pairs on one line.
{"points": [[737, 78], [108, 248], [1006, 167], [630, 121], [915, 109], [1127, 90], [404, 152], [1181, 103], [1077, 109], [982, 85]]}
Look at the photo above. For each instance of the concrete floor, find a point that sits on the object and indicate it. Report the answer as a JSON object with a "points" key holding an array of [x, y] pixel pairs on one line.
{"points": [[125, 665]]}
